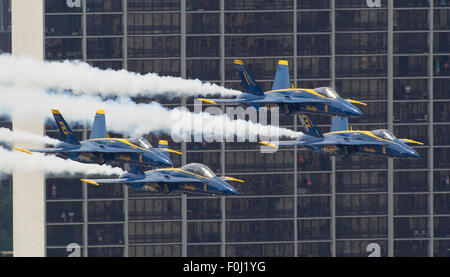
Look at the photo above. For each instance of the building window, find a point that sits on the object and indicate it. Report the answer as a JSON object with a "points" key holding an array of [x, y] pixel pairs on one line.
{"points": [[153, 23], [247, 23]]}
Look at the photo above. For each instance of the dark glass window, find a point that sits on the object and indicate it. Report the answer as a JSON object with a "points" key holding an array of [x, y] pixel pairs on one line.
{"points": [[311, 45], [162, 67], [407, 43], [359, 248], [412, 89], [203, 69], [281, 160], [203, 232], [104, 48], [212, 159], [375, 112], [203, 250], [365, 181], [441, 180], [441, 159], [157, 47], [361, 204], [441, 134], [362, 89], [361, 20], [104, 24], [154, 5], [442, 18], [420, 163], [155, 251], [411, 204], [153, 23], [410, 66], [202, 5], [416, 227], [237, 208], [251, 46], [413, 181], [105, 252], [411, 3], [154, 209], [202, 23], [442, 42], [245, 23], [64, 212], [267, 230], [410, 20], [263, 184], [63, 25], [115, 65], [313, 229], [412, 112], [61, 252], [258, 5], [373, 43], [313, 68], [100, 234], [441, 111], [154, 232], [61, 6], [365, 66], [360, 162], [58, 235], [441, 203], [314, 249], [313, 206], [356, 4], [441, 247], [204, 208], [313, 4], [202, 46], [441, 66], [105, 211], [260, 250], [313, 21], [62, 48], [361, 227], [441, 227], [408, 248], [110, 191], [63, 188], [104, 6], [312, 183]]}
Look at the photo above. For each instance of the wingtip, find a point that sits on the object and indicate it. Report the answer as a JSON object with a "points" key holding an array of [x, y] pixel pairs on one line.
{"points": [[207, 101], [23, 150], [269, 144], [90, 182]]}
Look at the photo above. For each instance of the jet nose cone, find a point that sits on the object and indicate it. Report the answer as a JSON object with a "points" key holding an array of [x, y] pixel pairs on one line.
{"points": [[230, 190], [166, 162], [354, 111], [413, 153]]}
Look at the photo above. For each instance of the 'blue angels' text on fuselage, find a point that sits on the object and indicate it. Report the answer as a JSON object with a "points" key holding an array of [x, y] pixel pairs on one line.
{"points": [[192, 178], [342, 141], [101, 149], [290, 100]]}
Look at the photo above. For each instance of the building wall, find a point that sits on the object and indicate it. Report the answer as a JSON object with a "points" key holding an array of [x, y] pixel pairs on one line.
{"points": [[369, 54], [28, 188]]}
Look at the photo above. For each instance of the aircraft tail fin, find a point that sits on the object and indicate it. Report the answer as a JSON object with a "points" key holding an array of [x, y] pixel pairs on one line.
{"points": [[249, 83], [99, 126], [164, 144], [282, 80], [339, 124], [64, 129], [310, 128]]}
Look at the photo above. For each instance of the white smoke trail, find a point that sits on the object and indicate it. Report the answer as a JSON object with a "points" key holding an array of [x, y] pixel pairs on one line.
{"points": [[15, 160], [85, 79], [125, 116], [9, 136]]}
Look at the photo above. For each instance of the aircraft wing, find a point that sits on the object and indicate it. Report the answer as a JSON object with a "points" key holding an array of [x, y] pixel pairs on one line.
{"points": [[217, 101], [43, 150], [80, 150], [290, 100], [347, 142]]}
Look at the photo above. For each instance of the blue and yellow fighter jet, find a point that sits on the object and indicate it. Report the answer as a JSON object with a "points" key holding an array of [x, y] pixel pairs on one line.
{"points": [[193, 178], [99, 148], [342, 141], [290, 100]]}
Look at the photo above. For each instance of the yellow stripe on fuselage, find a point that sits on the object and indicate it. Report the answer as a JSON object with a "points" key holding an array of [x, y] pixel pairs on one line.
{"points": [[298, 89]]}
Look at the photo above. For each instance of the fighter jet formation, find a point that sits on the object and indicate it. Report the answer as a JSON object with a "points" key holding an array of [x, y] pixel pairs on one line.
{"points": [[137, 154]]}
